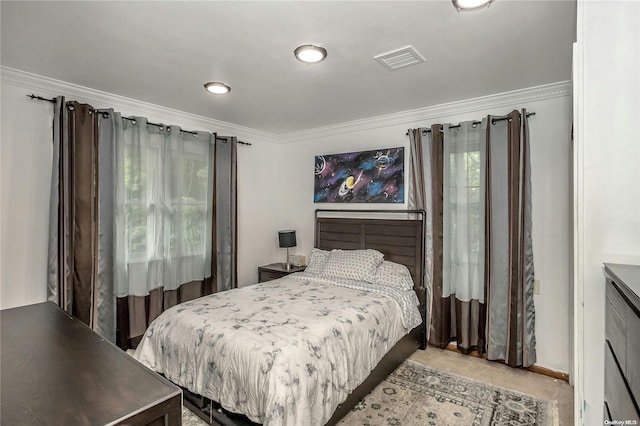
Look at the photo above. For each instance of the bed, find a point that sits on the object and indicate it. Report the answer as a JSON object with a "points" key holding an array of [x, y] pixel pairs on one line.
{"points": [[305, 348]]}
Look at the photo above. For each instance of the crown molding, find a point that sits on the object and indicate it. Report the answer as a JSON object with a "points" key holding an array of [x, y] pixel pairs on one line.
{"points": [[426, 114], [45, 86], [52, 87]]}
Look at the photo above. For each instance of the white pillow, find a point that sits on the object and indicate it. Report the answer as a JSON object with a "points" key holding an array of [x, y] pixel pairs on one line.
{"points": [[317, 261], [357, 265], [394, 275]]}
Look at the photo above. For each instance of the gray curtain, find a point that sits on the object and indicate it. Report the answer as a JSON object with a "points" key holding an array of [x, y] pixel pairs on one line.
{"points": [[226, 213], [104, 300], [503, 324], [58, 271], [509, 250], [80, 263], [421, 197]]}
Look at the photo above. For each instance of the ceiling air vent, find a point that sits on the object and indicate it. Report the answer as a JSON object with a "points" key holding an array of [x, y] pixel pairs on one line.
{"points": [[399, 58]]}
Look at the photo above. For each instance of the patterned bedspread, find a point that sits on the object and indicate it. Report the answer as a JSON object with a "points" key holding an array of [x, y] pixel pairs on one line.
{"points": [[283, 352]]}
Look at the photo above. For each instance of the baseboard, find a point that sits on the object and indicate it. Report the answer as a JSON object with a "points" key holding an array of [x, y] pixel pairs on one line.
{"points": [[548, 372], [534, 368]]}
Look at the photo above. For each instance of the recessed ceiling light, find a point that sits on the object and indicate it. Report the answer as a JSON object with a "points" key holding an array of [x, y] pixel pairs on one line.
{"points": [[310, 53], [471, 4], [217, 88]]}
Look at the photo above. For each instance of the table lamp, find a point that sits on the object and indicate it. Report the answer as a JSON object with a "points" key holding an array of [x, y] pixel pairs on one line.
{"points": [[287, 239]]}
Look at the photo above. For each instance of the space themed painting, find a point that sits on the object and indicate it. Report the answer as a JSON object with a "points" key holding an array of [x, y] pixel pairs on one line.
{"points": [[360, 177]]}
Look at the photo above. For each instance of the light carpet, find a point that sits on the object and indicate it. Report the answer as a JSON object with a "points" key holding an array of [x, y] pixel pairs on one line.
{"points": [[417, 395]]}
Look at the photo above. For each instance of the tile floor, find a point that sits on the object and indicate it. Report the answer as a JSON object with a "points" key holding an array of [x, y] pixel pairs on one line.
{"points": [[498, 374]]}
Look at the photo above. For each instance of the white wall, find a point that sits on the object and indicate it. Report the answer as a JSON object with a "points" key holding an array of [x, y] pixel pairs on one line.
{"points": [[607, 155], [25, 153], [550, 158]]}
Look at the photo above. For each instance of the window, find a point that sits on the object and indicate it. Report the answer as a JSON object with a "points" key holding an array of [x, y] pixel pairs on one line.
{"points": [[189, 205], [166, 201], [463, 221], [465, 203]]}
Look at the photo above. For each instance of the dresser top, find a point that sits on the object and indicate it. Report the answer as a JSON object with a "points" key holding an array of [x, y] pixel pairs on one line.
{"points": [[280, 267], [626, 275], [55, 369]]}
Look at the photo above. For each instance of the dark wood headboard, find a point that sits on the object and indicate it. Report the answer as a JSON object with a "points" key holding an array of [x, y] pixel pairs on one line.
{"points": [[401, 240]]}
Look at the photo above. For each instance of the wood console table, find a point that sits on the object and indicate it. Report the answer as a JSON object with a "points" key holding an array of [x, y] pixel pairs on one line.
{"points": [[55, 370]]}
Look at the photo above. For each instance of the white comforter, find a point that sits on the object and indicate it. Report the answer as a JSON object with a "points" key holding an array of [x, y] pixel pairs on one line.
{"points": [[283, 352]]}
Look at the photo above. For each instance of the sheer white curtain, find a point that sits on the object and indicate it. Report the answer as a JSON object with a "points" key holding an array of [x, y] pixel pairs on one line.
{"points": [[164, 192], [464, 210]]}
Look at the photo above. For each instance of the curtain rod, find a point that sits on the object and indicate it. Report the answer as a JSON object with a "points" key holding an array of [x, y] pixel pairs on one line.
{"points": [[106, 115], [185, 131], [493, 121], [40, 98]]}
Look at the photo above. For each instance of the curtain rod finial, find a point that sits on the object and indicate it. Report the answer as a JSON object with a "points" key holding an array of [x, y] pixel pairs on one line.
{"points": [[40, 98]]}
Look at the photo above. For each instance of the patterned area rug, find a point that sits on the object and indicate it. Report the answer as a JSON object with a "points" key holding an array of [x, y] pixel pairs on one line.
{"points": [[190, 419], [417, 395]]}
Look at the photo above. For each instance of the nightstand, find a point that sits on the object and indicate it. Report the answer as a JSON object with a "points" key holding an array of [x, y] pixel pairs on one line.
{"points": [[275, 271]]}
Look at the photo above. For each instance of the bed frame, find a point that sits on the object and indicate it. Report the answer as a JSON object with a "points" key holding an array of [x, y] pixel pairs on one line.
{"points": [[401, 240]]}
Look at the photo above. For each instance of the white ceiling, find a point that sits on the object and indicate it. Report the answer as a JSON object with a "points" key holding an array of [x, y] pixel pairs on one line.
{"points": [[163, 53]]}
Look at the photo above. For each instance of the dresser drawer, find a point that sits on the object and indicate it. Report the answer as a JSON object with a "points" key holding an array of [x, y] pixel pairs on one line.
{"points": [[633, 354], [616, 395], [269, 275], [616, 324]]}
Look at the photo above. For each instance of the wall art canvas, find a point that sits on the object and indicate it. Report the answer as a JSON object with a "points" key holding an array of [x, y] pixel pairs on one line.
{"points": [[360, 177]]}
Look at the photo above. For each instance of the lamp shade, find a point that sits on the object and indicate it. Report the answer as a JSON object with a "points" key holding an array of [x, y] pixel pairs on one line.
{"points": [[287, 238]]}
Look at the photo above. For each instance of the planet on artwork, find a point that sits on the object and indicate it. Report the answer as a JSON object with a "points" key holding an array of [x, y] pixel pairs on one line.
{"points": [[320, 165], [348, 184], [382, 161]]}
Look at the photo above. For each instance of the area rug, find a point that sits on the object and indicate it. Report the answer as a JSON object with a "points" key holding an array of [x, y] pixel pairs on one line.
{"points": [[417, 395]]}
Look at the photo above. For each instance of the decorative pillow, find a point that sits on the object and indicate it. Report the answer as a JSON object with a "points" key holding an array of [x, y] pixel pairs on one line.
{"points": [[358, 265], [394, 275], [317, 261]]}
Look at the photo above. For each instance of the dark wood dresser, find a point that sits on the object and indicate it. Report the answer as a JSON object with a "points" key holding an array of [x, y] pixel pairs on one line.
{"points": [[622, 344], [275, 271], [55, 370]]}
